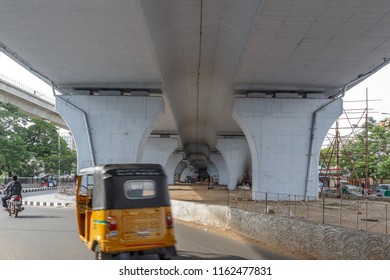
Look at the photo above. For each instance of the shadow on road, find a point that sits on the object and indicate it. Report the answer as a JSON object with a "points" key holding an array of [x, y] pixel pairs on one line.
{"points": [[183, 255], [37, 217]]}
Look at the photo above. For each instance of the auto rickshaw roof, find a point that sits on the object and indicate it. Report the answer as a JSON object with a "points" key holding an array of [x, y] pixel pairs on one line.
{"points": [[124, 169], [109, 179]]}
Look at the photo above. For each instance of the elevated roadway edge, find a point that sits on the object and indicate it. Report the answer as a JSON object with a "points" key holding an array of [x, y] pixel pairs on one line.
{"points": [[32, 104]]}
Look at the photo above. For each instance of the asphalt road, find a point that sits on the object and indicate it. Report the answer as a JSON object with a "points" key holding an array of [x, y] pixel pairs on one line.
{"points": [[50, 233]]}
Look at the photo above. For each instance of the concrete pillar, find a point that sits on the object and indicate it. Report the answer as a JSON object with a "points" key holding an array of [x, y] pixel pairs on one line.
{"points": [[170, 166], [158, 150], [188, 171], [237, 158], [219, 162], [180, 168], [279, 136], [109, 129], [212, 169]]}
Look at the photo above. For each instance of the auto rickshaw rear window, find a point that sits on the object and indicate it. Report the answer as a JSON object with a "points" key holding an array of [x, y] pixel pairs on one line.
{"points": [[139, 189], [87, 185]]}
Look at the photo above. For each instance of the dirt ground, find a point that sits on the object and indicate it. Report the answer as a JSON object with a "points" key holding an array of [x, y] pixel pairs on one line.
{"points": [[218, 195], [361, 215]]}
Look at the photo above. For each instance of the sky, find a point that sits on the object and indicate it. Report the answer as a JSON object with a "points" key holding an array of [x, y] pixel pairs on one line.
{"points": [[13, 70], [378, 87]]}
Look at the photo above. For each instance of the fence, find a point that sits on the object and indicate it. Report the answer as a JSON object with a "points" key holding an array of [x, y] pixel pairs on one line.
{"points": [[37, 180], [346, 211], [67, 189], [23, 180]]}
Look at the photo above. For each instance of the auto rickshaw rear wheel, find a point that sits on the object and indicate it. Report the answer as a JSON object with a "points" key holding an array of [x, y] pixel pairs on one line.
{"points": [[163, 256], [99, 255]]}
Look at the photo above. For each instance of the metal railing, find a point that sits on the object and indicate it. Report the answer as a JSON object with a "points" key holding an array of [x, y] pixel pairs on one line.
{"points": [[367, 213], [346, 211], [68, 189], [12, 82]]}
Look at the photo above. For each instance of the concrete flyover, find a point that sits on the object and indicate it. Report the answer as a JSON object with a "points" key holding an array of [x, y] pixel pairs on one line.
{"points": [[29, 101], [257, 83]]}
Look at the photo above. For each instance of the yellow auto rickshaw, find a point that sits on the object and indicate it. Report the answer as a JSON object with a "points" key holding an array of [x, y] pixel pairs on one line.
{"points": [[123, 210]]}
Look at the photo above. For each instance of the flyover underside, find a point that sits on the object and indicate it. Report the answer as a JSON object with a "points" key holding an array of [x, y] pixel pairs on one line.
{"points": [[198, 65], [280, 149], [200, 56]]}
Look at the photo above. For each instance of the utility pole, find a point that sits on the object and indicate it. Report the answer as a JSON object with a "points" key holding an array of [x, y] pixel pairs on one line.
{"points": [[367, 183], [338, 174], [59, 157]]}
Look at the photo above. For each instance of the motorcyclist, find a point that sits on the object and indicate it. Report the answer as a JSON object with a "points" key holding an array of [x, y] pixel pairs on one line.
{"points": [[13, 187]]}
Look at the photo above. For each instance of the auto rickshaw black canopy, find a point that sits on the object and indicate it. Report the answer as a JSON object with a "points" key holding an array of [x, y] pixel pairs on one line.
{"points": [[109, 180]]}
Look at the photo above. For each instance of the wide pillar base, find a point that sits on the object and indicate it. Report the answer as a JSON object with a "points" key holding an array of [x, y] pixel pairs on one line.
{"points": [[237, 157], [279, 135], [109, 129]]}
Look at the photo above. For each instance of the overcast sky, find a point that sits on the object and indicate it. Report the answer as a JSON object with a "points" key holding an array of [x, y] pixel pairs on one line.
{"points": [[378, 88]]}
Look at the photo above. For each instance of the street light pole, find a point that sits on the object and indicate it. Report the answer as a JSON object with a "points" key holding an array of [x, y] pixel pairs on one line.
{"points": [[59, 157], [366, 183]]}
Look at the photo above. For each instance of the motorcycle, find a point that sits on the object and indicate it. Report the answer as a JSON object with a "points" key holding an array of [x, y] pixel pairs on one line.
{"points": [[14, 205]]}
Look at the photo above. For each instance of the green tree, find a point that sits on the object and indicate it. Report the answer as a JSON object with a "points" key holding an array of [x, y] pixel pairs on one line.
{"points": [[68, 159], [42, 144], [381, 142], [368, 152], [384, 169], [29, 147], [13, 147], [50, 152], [328, 157]]}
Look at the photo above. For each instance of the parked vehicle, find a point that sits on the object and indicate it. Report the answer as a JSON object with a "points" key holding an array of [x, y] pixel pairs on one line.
{"points": [[124, 210], [383, 190], [350, 189], [329, 190]]}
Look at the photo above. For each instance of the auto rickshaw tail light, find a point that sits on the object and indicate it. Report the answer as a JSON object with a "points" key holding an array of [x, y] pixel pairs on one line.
{"points": [[169, 220], [111, 222]]}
